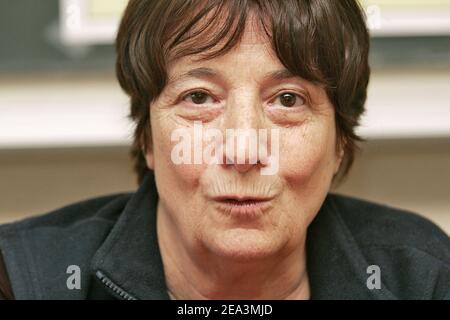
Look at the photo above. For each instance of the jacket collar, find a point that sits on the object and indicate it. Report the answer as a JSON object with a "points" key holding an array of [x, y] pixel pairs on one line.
{"points": [[131, 259], [130, 255]]}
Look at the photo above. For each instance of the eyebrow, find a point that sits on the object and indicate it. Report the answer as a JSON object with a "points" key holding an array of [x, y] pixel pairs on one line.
{"points": [[200, 73], [208, 73], [283, 74]]}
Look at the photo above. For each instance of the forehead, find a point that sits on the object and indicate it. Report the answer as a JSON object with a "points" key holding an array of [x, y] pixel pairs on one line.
{"points": [[253, 53]]}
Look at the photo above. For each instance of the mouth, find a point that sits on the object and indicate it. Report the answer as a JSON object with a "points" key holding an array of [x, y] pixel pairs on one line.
{"points": [[243, 206]]}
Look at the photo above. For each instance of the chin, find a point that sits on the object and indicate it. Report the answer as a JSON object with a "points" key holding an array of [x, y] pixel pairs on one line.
{"points": [[243, 245]]}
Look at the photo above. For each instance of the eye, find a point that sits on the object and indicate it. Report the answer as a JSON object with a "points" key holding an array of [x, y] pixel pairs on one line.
{"points": [[198, 97], [290, 100]]}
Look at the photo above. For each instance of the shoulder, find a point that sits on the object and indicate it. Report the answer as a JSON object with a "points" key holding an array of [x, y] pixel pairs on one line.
{"points": [[80, 226], [71, 234], [373, 223], [412, 250]]}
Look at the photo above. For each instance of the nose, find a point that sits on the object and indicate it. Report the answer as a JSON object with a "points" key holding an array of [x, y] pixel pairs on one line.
{"points": [[243, 148]]}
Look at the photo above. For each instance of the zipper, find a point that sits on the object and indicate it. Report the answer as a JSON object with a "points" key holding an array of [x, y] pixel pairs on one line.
{"points": [[114, 287]]}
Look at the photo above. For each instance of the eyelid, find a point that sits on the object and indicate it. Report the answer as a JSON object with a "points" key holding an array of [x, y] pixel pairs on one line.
{"points": [[186, 94]]}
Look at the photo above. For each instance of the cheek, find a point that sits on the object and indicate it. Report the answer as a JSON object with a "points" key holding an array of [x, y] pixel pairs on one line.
{"points": [[177, 184], [179, 176], [307, 171], [307, 157]]}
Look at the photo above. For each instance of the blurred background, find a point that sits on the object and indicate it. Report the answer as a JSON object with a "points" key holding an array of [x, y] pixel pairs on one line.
{"points": [[64, 132]]}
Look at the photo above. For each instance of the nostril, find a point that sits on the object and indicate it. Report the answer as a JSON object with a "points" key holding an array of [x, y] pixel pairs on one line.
{"points": [[229, 160]]}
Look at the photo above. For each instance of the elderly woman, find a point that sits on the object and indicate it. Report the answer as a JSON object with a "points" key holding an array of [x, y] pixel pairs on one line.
{"points": [[245, 114]]}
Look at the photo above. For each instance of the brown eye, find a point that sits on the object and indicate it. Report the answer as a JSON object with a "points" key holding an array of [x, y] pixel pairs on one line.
{"points": [[289, 99], [198, 97]]}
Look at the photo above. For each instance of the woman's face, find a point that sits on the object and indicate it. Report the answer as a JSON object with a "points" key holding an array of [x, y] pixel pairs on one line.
{"points": [[232, 210]]}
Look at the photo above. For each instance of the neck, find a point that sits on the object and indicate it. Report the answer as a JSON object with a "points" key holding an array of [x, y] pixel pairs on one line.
{"points": [[198, 274]]}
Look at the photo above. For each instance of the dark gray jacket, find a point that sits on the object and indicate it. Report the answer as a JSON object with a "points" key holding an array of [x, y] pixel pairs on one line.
{"points": [[112, 239]]}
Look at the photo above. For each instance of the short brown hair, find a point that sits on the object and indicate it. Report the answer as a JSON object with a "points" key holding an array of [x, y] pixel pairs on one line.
{"points": [[322, 41]]}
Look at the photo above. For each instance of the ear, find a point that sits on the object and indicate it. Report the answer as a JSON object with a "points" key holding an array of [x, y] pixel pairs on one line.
{"points": [[149, 158], [147, 150], [339, 158]]}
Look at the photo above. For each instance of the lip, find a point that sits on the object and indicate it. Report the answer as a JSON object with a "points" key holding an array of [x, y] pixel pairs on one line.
{"points": [[236, 197], [245, 206]]}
